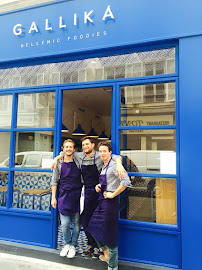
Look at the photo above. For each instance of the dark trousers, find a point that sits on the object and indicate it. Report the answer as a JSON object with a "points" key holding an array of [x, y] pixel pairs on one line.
{"points": [[91, 240]]}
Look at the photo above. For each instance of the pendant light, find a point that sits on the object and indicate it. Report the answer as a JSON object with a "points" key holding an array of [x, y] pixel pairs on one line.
{"points": [[92, 134], [103, 136], [64, 128], [79, 131]]}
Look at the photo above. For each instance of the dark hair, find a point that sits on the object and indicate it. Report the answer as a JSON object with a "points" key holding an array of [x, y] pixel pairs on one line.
{"points": [[68, 140], [87, 138], [104, 143]]}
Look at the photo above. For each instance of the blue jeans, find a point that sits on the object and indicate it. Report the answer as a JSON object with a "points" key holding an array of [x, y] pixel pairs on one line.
{"points": [[113, 254], [70, 238]]}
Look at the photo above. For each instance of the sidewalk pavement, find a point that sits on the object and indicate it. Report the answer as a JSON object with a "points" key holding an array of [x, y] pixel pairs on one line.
{"points": [[16, 256], [15, 262]]}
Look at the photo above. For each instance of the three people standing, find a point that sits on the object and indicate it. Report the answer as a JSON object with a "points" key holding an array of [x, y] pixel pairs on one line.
{"points": [[91, 164]]}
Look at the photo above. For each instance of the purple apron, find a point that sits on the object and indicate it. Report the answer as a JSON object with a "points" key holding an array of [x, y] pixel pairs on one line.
{"points": [[103, 224], [90, 175], [69, 189]]}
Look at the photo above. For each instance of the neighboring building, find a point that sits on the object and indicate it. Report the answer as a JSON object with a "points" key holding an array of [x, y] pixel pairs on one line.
{"points": [[129, 70]]}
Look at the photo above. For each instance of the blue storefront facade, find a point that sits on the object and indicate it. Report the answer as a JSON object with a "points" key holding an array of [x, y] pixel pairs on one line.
{"points": [[131, 69]]}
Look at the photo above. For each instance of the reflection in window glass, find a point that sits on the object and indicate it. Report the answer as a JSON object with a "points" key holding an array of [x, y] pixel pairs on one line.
{"points": [[150, 199], [36, 110], [34, 149], [135, 64], [4, 149], [5, 111], [3, 187], [32, 190], [148, 105], [149, 151]]}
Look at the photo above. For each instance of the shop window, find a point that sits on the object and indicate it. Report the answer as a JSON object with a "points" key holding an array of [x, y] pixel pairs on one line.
{"points": [[131, 65], [5, 111], [3, 188], [4, 163], [32, 190], [150, 199], [34, 149], [4, 149], [146, 105], [149, 151], [36, 110]]}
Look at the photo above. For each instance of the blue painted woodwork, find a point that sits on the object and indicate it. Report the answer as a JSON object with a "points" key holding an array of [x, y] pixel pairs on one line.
{"points": [[190, 96], [138, 25], [132, 24], [146, 245], [26, 228]]}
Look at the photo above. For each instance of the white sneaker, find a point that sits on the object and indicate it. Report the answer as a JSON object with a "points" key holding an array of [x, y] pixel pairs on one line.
{"points": [[64, 251], [72, 252]]}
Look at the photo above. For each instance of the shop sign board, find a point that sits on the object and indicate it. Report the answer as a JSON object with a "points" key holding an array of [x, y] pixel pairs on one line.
{"points": [[67, 27]]}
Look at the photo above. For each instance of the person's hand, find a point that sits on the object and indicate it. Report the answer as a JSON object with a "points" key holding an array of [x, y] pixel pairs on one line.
{"points": [[53, 165], [108, 195], [120, 170], [98, 188], [54, 203]]}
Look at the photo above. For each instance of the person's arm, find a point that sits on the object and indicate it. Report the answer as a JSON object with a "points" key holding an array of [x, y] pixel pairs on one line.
{"points": [[55, 160], [53, 198], [120, 170], [54, 184], [123, 184], [111, 195]]}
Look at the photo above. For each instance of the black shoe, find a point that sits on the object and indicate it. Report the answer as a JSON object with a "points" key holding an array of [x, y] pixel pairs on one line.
{"points": [[96, 253], [88, 252]]}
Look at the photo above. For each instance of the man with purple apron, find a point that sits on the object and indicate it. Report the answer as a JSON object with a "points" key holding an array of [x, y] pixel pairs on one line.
{"points": [[103, 224], [67, 176], [91, 165]]}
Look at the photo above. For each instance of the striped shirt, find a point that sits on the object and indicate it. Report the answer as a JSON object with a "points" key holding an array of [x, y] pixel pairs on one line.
{"points": [[82, 159], [113, 181]]}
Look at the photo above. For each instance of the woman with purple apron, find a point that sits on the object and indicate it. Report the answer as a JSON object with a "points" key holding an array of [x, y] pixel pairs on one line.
{"points": [[67, 176], [103, 224]]}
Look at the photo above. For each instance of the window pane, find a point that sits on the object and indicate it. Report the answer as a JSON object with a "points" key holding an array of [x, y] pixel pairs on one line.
{"points": [[36, 110], [3, 187], [34, 149], [149, 151], [32, 190], [5, 111], [148, 105], [150, 199], [137, 64], [4, 149]]}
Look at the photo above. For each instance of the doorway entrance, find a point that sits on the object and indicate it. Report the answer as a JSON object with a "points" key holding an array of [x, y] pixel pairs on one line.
{"points": [[85, 112]]}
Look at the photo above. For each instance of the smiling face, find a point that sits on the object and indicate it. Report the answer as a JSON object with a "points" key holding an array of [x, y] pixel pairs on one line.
{"points": [[104, 152], [88, 146], [68, 148]]}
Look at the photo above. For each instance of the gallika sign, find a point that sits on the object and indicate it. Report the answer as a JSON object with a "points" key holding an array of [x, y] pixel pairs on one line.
{"points": [[19, 30]]}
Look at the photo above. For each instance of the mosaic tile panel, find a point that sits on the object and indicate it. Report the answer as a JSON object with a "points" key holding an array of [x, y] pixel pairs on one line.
{"points": [[28, 180], [82, 241]]}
